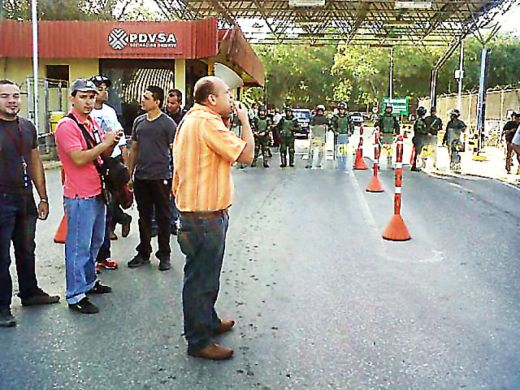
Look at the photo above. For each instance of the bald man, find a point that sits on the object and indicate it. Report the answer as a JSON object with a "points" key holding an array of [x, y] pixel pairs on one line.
{"points": [[204, 150]]}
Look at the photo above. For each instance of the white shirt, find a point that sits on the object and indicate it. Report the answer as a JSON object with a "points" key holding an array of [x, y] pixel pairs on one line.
{"points": [[516, 138], [106, 117]]}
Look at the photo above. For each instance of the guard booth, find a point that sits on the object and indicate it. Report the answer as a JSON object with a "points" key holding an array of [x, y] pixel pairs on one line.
{"points": [[133, 55]]}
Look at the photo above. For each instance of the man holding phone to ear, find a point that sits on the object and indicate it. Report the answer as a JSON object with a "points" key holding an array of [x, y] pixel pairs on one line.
{"points": [[203, 152], [20, 168]]}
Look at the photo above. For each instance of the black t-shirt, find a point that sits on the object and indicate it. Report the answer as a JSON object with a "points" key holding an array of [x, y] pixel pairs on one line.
{"points": [[154, 139], [510, 130], [17, 139]]}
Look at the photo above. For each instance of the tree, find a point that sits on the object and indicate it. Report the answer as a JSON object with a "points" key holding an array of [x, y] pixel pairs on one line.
{"points": [[66, 9]]}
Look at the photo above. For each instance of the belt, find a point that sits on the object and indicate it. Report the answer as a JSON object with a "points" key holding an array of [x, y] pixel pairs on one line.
{"points": [[202, 214]]}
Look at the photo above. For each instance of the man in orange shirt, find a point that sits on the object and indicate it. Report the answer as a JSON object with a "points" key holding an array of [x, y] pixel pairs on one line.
{"points": [[204, 151]]}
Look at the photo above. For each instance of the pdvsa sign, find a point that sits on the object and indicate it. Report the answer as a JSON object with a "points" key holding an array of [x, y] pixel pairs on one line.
{"points": [[118, 39]]}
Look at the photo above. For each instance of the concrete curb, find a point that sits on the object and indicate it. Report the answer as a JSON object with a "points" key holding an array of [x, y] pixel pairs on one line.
{"points": [[515, 183]]}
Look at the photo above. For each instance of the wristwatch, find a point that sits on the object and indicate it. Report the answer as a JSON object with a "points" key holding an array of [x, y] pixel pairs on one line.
{"points": [[44, 200]]}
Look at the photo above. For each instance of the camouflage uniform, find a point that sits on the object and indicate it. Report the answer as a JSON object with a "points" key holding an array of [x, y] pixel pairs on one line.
{"points": [[261, 129], [343, 127], [453, 138], [420, 139], [286, 128], [434, 125], [389, 126]]}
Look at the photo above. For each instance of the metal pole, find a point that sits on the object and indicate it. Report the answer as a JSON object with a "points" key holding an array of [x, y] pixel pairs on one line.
{"points": [[461, 75], [391, 81], [481, 106], [34, 9]]}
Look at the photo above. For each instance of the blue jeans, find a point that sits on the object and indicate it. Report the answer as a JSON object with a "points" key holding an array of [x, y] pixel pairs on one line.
{"points": [[17, 224], [203, 242], [86, 230]]}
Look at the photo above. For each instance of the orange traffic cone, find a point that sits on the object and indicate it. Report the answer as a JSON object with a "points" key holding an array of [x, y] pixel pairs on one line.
{"points": [[375, 185], [396, 230], [359, 164], [61, 233]]}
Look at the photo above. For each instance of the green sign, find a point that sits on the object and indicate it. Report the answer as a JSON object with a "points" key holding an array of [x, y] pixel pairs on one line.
{"points": [[400, 105]]}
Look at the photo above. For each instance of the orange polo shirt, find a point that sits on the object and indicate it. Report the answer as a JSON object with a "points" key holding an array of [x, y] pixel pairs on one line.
{"points": [[203, 152]]}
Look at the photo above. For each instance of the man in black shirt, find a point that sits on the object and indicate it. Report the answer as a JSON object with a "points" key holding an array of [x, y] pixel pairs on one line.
{"points": [[20, 167], [175, 111], [149, 165], [508, 133]]}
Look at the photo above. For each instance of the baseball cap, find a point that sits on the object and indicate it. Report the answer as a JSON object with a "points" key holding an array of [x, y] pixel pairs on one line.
{"points": [[83, 85]]}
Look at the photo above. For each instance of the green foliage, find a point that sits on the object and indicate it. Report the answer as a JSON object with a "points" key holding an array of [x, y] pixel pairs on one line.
{"points": [[307, 76], [64, 9]]}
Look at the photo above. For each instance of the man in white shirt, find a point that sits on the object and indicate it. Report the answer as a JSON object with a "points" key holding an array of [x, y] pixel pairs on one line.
{"points": [[106, 117], [516, 141]]}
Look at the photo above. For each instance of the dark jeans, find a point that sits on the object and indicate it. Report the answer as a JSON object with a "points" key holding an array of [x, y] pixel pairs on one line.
{"points": [[117, 213], [203, 242], [17, 224], [150, 194]]}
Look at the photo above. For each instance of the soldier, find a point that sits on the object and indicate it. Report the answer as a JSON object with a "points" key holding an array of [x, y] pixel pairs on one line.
{"points": [[261, 129], [287, 126], [389, 127], [420, 138], [453, 139], [343, 127], [433, 126], [320, 118]]}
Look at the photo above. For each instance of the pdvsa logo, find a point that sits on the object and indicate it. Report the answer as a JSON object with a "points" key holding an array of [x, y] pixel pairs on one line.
{"points": [[118, 39]]}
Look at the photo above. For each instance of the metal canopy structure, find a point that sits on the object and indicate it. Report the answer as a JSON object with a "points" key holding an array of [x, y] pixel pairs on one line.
{"points": [[359, 22]]}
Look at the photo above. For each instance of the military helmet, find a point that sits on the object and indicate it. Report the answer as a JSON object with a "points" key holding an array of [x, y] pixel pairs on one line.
{"points": [[288, 109], [320, 107], [342, 105], [433, 109], [455, 112], [262, 109], [421, 111]]}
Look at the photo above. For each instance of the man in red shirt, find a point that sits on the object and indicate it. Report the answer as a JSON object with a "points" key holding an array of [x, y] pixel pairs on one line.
{"points": [[81, 143]]}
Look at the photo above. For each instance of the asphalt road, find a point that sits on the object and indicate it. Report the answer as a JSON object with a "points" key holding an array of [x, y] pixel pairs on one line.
{"points": [[320, 299]]}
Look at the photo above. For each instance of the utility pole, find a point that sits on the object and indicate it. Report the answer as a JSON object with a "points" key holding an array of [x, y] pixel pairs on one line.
{"points": [[391, 81], [459, 75], [34, 15]]}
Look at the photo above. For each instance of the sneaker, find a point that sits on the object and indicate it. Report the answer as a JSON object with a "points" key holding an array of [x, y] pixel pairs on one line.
{"points": [[164, 264], [99, 289], [138, 261], [40, 297], [107, 264], [125, 228], [84, 306], [6, 318]]}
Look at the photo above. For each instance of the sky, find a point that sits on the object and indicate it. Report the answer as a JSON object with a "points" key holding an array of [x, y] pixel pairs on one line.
{"points": [[510, 21]]}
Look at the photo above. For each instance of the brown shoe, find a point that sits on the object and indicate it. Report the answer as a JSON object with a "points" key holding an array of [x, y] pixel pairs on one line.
{"points": [[225, 326], [213, 352]]}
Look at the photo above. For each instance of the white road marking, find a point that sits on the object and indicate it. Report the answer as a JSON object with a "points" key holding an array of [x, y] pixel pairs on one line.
{"points": [[383, 247]]}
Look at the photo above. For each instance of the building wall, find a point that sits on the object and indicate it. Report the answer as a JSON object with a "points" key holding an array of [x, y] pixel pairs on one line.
{"points": [[19, 69]]}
